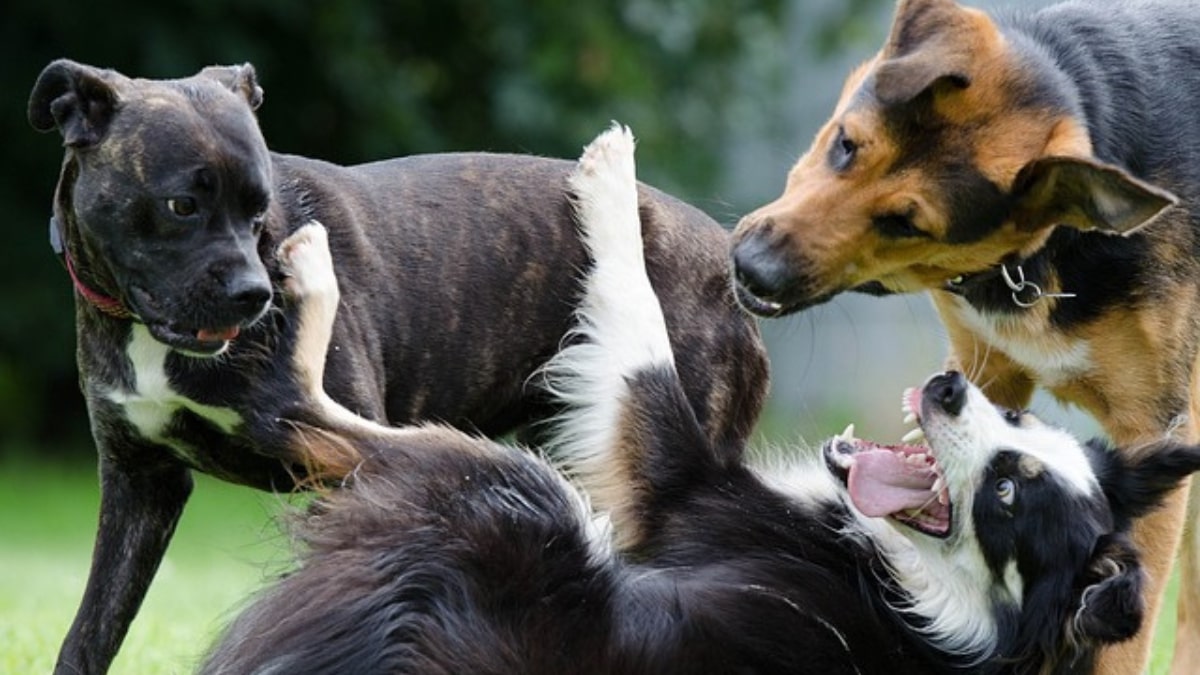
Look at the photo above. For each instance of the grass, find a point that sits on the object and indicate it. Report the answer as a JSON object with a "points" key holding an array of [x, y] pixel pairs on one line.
{"points": [[227, 544]]}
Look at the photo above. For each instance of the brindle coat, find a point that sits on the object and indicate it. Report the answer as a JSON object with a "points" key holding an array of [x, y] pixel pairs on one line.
{"points": [[458, 277]]}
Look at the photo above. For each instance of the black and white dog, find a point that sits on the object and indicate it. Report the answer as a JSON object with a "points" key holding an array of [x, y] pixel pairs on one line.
{"points": [[1000, 545]]}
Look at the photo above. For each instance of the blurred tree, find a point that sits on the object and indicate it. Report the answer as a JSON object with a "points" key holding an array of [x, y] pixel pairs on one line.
{"points": [[356, 80]]}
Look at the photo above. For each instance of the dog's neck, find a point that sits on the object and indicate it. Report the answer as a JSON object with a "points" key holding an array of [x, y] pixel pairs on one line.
{"points": [[106, 304], [1023, 281]]}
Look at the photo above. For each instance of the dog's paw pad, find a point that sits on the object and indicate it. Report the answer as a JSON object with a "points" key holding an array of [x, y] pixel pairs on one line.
{"points": [[604, 185], [610, 154], [306, 263]]}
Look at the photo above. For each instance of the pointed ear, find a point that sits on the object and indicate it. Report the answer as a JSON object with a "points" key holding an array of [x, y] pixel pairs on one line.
{"points": [[1109, 608], [1135, 483], [76, 99], [1084, 194], [903, 79], [925, 48], [240, 80]]}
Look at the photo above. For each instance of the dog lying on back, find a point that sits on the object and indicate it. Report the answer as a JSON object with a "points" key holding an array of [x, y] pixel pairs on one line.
{"points": [[455, 271], [1022, 168], [1000, 546]]}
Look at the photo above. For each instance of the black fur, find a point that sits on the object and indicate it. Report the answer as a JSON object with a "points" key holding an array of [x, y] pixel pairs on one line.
{"points": [[457, 276], [1128, 71], [452, 555]]}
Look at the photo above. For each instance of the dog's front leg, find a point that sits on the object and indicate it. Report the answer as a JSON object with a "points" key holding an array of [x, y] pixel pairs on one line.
{"points": [[138, 512]]}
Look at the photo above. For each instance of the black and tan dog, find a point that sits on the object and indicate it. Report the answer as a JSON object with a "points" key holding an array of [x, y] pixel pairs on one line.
{"points": [[456, 274], [1023, 169]]}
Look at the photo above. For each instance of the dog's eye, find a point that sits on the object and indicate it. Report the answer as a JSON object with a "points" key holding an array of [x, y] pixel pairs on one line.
{"points": [[1006, 490], [182, 206], [1013, 417], [257, 222], [897, 226], [842, 152]]}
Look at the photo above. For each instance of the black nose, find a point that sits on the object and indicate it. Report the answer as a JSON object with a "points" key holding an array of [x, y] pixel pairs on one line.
{"points": [[947, 391], [248, 294], [759, 268]]}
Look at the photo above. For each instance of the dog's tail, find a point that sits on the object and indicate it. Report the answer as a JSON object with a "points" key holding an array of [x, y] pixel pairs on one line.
{"points": [[627, 431]]}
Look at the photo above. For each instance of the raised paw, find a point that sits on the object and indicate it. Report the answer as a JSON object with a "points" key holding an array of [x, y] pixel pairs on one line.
{"points": [[605, 189], [307, 266], [310, 282]]}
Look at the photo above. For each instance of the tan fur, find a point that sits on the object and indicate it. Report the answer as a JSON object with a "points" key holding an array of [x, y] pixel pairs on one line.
{"points": [[1118, 368]]}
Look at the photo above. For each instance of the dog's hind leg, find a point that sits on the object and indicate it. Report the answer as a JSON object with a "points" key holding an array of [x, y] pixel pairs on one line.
{"points": [[625, 410]]}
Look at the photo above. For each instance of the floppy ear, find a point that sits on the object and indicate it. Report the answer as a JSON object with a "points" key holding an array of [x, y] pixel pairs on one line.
{"points": [[76, 99], [1084, 194], [925, 48], [1109, 608], [1136, 482], [240, 80]]}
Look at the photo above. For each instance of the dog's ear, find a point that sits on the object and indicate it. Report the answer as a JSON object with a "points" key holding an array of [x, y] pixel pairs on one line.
{"points": [[240, 80], [1084, 194], [925, 48], [76, 99], [1136, 481], [1109, 606]]}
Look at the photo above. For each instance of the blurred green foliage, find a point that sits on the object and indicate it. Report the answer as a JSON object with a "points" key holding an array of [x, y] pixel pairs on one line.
{"points": [[354, 80]]}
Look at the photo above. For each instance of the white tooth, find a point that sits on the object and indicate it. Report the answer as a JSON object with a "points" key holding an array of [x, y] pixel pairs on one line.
{"points": [[938, 485], [848, 434], [913, 436], [910, 418]]}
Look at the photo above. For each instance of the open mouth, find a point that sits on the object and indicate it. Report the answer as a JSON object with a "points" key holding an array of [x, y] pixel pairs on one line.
{"points": [[902, 482], [199, 342], [770, 308], [756, 305]]}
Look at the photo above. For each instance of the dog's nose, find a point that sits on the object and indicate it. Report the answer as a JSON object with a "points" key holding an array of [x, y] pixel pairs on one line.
{"points": [[248, 294], [948, 391], [759, 268]]}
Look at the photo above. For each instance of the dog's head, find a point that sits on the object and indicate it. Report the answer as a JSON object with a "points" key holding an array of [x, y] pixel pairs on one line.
{"points": [[951, 150], [163, 195], [1007, 533]]}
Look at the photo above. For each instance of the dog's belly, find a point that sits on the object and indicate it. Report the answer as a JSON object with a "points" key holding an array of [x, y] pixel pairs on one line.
{"points": [[152, 405], [1053, 359]]}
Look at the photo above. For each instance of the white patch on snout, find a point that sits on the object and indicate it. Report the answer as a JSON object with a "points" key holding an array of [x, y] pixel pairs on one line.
{"points": [[965, 445], [1052, 357], [150, 405]]}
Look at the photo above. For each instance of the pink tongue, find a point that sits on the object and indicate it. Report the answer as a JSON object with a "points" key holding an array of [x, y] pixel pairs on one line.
{"points": [[882, 483], [223, 334]]}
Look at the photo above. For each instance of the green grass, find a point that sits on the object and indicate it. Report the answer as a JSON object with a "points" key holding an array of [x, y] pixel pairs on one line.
{"points": [[227, 544]]}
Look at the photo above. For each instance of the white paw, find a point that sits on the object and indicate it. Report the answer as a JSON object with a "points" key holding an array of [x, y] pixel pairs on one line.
{"points": [[307, 266], [604, 184]]}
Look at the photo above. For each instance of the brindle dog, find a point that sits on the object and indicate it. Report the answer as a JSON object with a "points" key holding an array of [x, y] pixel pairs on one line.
{"points": [[458, 277]]}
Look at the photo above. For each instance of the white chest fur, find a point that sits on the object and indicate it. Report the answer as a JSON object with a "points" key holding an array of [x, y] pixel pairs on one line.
{"points": [[1053, 358], [151, 404]]}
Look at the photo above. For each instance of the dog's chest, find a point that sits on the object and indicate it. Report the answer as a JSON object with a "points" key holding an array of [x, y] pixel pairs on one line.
{"points": [[151, 406], [1052, 357]]}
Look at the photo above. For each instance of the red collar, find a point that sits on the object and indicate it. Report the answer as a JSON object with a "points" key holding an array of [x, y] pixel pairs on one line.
{"points": [[110, 306]]}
